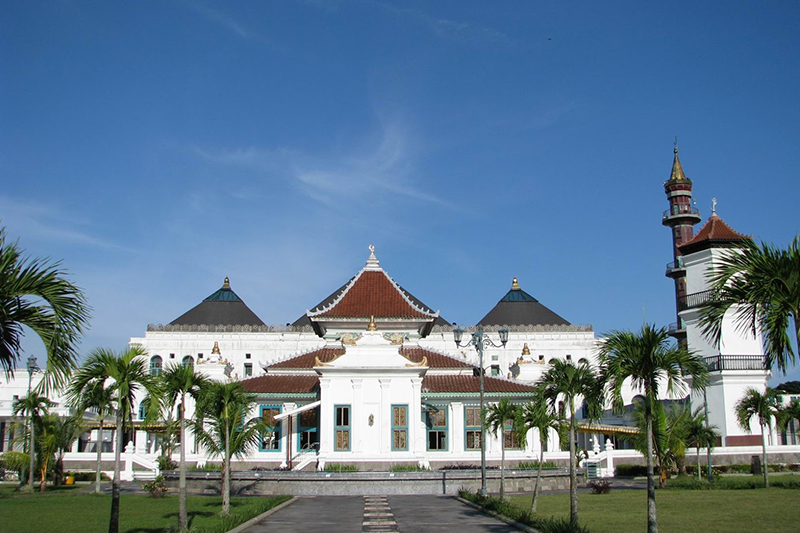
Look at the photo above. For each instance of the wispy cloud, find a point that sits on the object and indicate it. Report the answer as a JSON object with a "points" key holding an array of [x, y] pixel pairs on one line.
{"points": [[373, 173], [448, 28], [34, 220], [220, 18]]}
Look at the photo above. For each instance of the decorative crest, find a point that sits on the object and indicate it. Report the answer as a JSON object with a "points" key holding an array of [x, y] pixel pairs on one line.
{"points": [[371, 326], [514, 285], [525, 349], [227, 283], [215, 349], [713, 207], [372, 261]]}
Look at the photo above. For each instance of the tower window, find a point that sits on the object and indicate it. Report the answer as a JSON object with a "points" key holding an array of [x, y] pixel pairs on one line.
{"points": [[155, 365]]}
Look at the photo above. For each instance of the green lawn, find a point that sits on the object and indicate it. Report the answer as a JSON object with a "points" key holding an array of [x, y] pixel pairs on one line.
{"points": [[65, 511], [680, 511]]}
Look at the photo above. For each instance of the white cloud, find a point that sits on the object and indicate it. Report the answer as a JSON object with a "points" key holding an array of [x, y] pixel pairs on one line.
{"points": [[220, 18]]}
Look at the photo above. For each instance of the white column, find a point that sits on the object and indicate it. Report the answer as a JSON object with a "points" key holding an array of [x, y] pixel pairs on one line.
{"points": [[385, 439], [358, 414], [456, 427], [416, 442], [326, 414]]}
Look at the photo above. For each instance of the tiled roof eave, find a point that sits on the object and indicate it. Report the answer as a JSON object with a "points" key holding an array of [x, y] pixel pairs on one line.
{"points": [[303, 395], [474, 394], [319, 318]]}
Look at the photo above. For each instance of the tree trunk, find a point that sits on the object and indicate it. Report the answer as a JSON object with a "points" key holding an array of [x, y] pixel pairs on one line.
{"points": [[183, 519], [652, 524], [226, 475], [542, 442], [764, 453], [32, 447], [97, 476], [113, 523], [573, 476], [43, 476], [503, 466]]}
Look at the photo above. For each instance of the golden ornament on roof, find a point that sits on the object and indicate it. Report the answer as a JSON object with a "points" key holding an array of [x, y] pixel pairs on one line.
{"points": [[371, 326], [215, 349], [525, 349]]}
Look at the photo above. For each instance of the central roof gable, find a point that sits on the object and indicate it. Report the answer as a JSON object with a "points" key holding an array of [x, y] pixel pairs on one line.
{"points": [[518, 308], [221, 308]]}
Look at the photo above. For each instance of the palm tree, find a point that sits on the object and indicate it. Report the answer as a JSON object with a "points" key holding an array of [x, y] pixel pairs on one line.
{"points": [[35, 293], [68, 430], [496, 417], [761, 284], [699, 433], [126, 375], [223, 429], [764, 407], [538, 415], [180, 381], [101, 400], [33, 405], [788, 414], [567, 382], [670, 430], [648, 359]]}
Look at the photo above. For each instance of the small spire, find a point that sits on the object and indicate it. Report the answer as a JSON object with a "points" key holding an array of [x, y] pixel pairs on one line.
{"points": [[215, 349], [677, 169], [713, 207], [371, 326], [372, 261], [227, 283], [514, 285], [525, 349]]}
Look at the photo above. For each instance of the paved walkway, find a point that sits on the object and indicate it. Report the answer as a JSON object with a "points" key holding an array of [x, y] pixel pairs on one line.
{"points": [[390, 514]]}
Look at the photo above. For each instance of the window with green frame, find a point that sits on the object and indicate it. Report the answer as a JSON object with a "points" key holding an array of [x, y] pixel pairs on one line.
{"points": [[510, 437], [271, 437], [341, 427], [399, 428], [472, 428], [437, 428], [308, 429]]}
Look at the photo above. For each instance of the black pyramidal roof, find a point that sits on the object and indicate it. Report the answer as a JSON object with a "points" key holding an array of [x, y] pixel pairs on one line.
{"points": [[222, 308], [518, 308]]}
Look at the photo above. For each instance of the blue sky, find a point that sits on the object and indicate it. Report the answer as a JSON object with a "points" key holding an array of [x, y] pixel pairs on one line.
{"points": [[157, 147]]}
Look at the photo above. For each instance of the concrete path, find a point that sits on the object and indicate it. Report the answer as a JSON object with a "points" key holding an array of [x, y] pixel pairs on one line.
{"points": [[390, 514]]}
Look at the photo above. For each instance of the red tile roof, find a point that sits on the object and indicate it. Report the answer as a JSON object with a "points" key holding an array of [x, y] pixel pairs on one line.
{"points": [[435, 359], [471, 384], [715, 230], [306, 360], [372, 293], [282, 384]]}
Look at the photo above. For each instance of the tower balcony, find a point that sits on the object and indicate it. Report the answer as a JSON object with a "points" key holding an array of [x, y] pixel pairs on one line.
{"points": [[677, 329], [718, 363], [696, 299], [675, 269], [680, 214]]}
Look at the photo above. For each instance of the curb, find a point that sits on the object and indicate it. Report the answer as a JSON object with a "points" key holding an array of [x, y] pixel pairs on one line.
{"points": [[513, 523], [241, 527]]}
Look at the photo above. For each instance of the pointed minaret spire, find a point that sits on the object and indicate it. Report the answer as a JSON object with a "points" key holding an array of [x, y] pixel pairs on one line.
{"points": [[713, 207], [372, 261], [677, 169], [227, 283]]}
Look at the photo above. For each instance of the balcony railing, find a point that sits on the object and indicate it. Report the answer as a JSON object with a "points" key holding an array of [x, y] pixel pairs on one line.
{"points": [[681, 211], [695, 299], [717, 363], [675, 266], [677, 328]]}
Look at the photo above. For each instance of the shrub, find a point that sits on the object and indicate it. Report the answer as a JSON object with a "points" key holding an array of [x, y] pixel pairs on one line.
{"points": [[534, 465], [600, 486], [408, 468], [466, 467], [87, 476], [505, 508], [625, 470], [734, 483], [165, 462], [156, 488], [338, 467]]}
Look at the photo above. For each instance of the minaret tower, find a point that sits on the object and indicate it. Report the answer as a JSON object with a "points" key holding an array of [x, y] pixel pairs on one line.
{"points": [[680, 218]]}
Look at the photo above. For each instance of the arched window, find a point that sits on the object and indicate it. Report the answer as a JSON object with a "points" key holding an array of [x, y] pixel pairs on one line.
{"points": [[142, 411], [188, 361], [155, 365]]}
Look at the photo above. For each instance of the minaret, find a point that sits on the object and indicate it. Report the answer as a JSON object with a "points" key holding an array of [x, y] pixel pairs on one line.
{"points": [[680, 218]]}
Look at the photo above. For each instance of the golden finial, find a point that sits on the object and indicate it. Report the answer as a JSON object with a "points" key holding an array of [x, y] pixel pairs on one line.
{"points": [[514, 285], [215, 349], [371, 326], [227, 283], [525, 349]]}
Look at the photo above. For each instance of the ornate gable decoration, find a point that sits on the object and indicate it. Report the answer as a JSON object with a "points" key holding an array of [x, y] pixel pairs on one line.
{"points": [[372, 293]]}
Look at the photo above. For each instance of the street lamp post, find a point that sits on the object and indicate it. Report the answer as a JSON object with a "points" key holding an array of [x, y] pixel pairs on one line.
{"points": [[480, 341], [708, 444], [32, 368]]}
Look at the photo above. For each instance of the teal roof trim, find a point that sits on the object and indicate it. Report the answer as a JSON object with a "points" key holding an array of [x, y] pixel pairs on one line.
{"points": [[223, 295], [518, 295]]}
